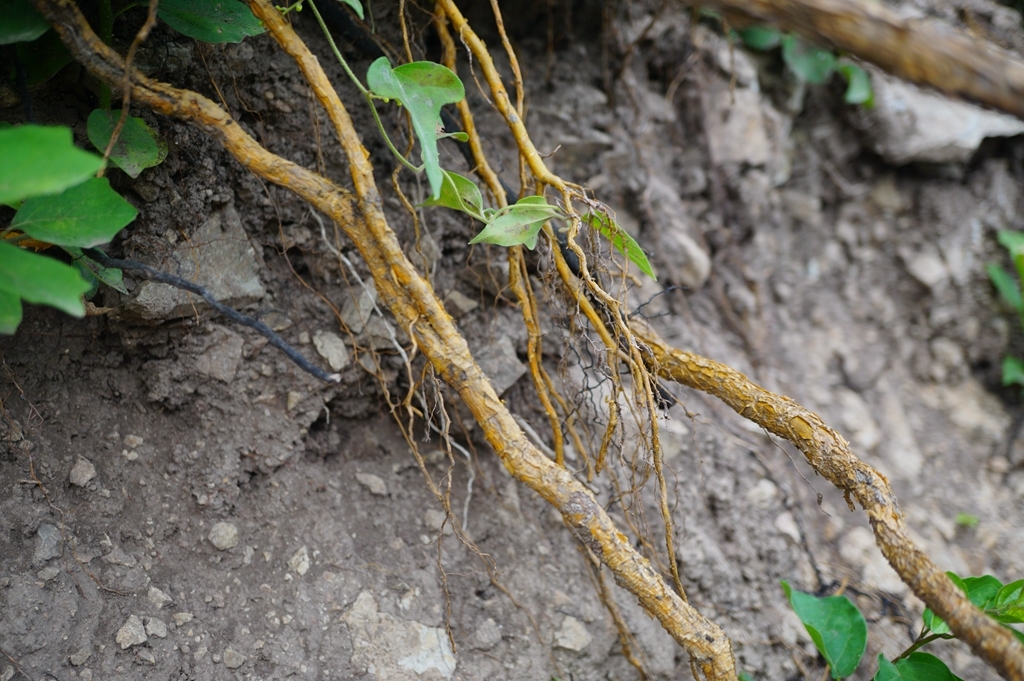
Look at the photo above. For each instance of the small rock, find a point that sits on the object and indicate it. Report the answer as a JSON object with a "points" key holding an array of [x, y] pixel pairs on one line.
{"points": [[330, 346], [146, 656], [155, 627], [130, 454], [999, 464], [224, 536], [46, 574], [222, 358], [763, 494], [132, 633], [118, 556], [181, 618], [374, 483], [927, 267], [358, 307], [82, 472], [300, 561], [499, 361], [7, 674], [460, 304], [303, 338], [434, 519], [572, 635], [487, 635], [293, 399], [80, 656], [133, 441], [48, 540], [157, 598], [233, 659], [786, 524]]}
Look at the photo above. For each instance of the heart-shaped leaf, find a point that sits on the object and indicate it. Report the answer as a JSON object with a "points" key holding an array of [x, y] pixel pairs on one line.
{"points": [[519, 223], [808, 61], [621, 240], [138, 147], [39, 279], [836, 627], [20, 22], [211, 21], [87, 215], [915, 667], [461, 194], [41, 160], [423, 87]]}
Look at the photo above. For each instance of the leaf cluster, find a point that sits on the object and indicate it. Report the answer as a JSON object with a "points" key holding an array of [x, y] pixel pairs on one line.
{"points": [[839, 630]]}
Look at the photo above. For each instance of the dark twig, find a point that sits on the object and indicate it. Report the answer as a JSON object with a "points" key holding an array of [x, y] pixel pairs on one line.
{"points": [[156, 275]]}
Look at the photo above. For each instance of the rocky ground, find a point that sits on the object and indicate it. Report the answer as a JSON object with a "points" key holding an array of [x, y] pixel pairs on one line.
{"points": [[180, 502]]}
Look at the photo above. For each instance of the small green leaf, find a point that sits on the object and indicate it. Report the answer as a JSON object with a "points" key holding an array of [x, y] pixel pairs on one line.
{"points": [[423, 87], [982, 590], [87, 215], [858, 85], [1008, 604], [621, 240], [137, 146], [1014, 243], [10, 312], [519, 223], [40, 160], [761, 38], [924, 667], [887, 671], [39, 279], [807, 61], [355, 5], [457, 136], [1008, 289], [20, 23], [111, 276], [743, 676], [1013, 371], [459, 193], [836, 627], [966, 520], [211, 21], [43, 58]]}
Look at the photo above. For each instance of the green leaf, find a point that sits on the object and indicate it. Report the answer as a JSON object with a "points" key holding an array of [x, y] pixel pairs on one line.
{"points": [[924, 667], [40, 160], [39, 279], [519, 223], [423, 87], [982, 590], [761, 38], [459, 193], [355, 5], [43, 58], [20, 23], [10, 312], [836, 627], [1013, 371], [87, 215], [621, 240], [887, 671], [807, 61], [138, 147], [111, 276], [743, 676], [1008, 289], [211, 21], [933, 621], [858, 85], [966, 520], [457, 136], [1014, 243], [1008, 605]]}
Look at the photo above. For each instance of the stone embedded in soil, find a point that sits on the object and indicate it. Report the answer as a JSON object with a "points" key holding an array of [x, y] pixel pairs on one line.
{"points": [[181, 618], [459, 304], [133, 441], [221, 359], [146, 656], [48, 573], [487, 635], [48, 540], [132, 633], [572, 635], [358, 307], [155, 627], [157, 598], [233, 659], [786, 524], [299, 562], [374, 483], [82, 473], [330, 346], [224, 536], [80, 657]]}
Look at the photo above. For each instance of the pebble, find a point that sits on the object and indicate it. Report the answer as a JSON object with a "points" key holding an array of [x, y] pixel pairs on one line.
{"points": [[233, 659], [133, 441], [572, 635], [82, 473], [155, 627], [46, 574], [487, 635], [181, 618], [80, 656], [786, 524], [146, 656], [330, 346], [763, 494], [47, 543], [224, 536], [358, 307], [300, 561], [374, 483], [132, 633], [459, 304], [157, 598], [293, 399]]}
